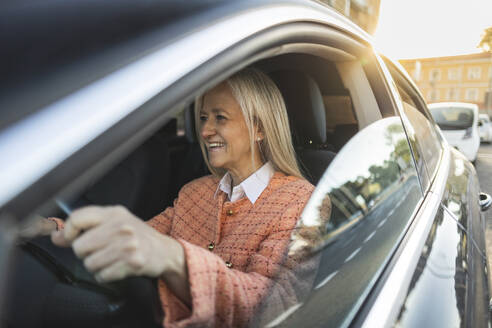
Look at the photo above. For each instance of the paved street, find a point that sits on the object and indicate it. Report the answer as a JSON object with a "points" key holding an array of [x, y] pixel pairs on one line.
{"points": [[484, 169]]}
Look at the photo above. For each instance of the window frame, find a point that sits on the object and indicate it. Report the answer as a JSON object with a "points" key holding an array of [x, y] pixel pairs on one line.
{"points": [[471, 91], [454, 74], [434, 95], [452, 94], [435, 72], [427, 175], [474, 73]]}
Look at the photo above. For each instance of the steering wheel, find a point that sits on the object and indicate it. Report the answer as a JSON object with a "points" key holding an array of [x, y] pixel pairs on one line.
{"points": [[69, 295]]}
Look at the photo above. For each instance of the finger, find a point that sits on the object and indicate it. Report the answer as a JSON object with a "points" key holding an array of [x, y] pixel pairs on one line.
{"points": [[97, 238], [58, 239], [116, 271], [103, 258], [83, 219]]}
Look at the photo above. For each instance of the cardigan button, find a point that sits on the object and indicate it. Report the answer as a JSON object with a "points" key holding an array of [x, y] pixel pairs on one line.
{"points": [[228, 264], [211, 246], [229, 212]]}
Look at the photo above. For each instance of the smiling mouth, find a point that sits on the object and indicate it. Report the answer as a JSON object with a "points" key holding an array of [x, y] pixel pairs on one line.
{"points": [[215, 146]]}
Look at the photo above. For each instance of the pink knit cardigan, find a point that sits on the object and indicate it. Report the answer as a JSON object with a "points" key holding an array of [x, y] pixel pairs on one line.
{"points": [[235, 251]]}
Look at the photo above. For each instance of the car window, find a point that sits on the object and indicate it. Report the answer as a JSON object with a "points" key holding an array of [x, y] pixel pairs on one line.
{"points": [[356, 216], [419, 125], [367, 189], [452, 118]]}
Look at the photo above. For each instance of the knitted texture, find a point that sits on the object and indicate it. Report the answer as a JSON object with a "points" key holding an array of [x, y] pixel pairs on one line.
{"points": [[247, 263]]}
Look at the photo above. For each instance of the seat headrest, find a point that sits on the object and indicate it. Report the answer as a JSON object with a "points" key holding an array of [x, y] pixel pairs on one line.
{"points": [[189, 124], [305, 106]]}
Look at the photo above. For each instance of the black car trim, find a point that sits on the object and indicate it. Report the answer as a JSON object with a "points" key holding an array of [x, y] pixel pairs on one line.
{"points": [[410, 84], [397, 106]]}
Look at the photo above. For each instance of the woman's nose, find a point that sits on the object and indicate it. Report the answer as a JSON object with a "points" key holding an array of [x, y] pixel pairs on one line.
{"points": [[208, 129]]}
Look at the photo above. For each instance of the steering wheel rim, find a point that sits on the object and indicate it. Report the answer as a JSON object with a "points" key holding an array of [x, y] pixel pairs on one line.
{"points": [[130, 302]]}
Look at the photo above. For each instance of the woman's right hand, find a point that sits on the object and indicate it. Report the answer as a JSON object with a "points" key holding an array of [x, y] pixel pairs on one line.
{"points": [[37, 227]]}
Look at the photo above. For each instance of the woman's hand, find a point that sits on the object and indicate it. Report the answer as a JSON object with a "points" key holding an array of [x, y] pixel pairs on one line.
{"points": [[114, 244], [36, 227]]}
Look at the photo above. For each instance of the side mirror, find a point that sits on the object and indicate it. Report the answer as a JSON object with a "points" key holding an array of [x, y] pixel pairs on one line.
{"points": [[480, 123], [485, 201]]}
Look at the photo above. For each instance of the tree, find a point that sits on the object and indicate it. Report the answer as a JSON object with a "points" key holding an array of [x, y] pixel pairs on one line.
{"points": [[486, 41]]}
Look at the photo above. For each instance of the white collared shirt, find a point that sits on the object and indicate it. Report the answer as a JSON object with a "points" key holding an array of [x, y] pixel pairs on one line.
{"points": [[251, 187]]}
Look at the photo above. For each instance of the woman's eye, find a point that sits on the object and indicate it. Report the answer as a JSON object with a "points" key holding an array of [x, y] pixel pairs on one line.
{"points": [[203, 118], [220, 117]]}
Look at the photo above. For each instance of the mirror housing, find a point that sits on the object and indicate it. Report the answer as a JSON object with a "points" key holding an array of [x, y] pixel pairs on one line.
{"points": [[485, 201]]}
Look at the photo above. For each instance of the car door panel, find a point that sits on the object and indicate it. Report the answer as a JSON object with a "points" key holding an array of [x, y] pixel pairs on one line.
{"points": [[447, 285], [449, 282]]}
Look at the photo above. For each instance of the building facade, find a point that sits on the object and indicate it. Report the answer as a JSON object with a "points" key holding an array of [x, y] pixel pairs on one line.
{"points": [[364, 13], [464, 78]]}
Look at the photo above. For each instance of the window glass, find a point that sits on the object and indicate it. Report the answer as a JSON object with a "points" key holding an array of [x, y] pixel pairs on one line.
{"points": [[452, 94], [434, 95], [453, 118], [427, 143], [425, 140], [471, 94], [453, 74], [474, 73], [435, 74], [354, 220]]}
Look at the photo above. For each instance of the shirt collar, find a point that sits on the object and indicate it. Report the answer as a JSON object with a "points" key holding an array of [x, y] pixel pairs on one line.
{"points": [[252, 186]]}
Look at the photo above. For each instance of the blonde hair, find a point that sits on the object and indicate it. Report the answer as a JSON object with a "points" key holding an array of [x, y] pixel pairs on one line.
{"points": [[262, 105]]}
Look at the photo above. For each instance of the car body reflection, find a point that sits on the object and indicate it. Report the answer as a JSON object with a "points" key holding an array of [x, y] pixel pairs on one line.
{"points": [[373, 189], [448, 264]]}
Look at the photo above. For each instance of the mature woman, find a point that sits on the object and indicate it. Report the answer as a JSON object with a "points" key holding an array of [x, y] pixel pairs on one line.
{"points": [[218, 250]]}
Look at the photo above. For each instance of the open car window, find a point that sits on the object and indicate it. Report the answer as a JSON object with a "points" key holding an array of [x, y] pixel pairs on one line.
{"points": [[365, 198]]}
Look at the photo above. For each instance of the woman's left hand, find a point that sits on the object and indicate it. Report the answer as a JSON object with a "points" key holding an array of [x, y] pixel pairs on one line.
{"points": [[114, 244]]}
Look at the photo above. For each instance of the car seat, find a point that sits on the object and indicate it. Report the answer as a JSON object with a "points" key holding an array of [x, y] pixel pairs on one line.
{"points": [[307, 120]]}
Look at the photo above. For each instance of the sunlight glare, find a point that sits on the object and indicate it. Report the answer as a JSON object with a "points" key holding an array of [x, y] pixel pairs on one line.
{"points": [[428, 28]]}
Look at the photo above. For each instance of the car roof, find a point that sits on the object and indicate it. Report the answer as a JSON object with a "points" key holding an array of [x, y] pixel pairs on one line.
{"points": [[91, 38], [40, 39]]}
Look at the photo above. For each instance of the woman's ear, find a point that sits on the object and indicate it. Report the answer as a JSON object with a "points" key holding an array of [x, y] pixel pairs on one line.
{"points": [[259, 136], [259, 130]]}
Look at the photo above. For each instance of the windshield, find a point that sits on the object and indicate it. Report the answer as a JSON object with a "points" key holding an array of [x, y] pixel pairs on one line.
{"points": [[453, 118]]}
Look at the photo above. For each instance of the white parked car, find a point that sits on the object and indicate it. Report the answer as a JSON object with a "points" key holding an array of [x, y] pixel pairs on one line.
{"points": [[485, 128], [459, 124]]}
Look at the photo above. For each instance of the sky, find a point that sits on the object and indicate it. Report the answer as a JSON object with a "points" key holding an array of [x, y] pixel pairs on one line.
{"points": [[431, 28]]}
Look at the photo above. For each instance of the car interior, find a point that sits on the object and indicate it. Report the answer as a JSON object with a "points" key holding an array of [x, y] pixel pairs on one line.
{"points": [[323, 91]]}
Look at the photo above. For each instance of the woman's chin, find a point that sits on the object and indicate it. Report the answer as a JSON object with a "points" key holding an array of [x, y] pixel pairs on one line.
{"points": [[215, 163]]}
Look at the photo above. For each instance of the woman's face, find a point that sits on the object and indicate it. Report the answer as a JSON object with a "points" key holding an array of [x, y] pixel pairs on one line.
{"points": [[225, 133]]}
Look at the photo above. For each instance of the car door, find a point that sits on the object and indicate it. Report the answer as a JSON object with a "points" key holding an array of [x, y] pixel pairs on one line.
{"points": [[451, 261]]}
